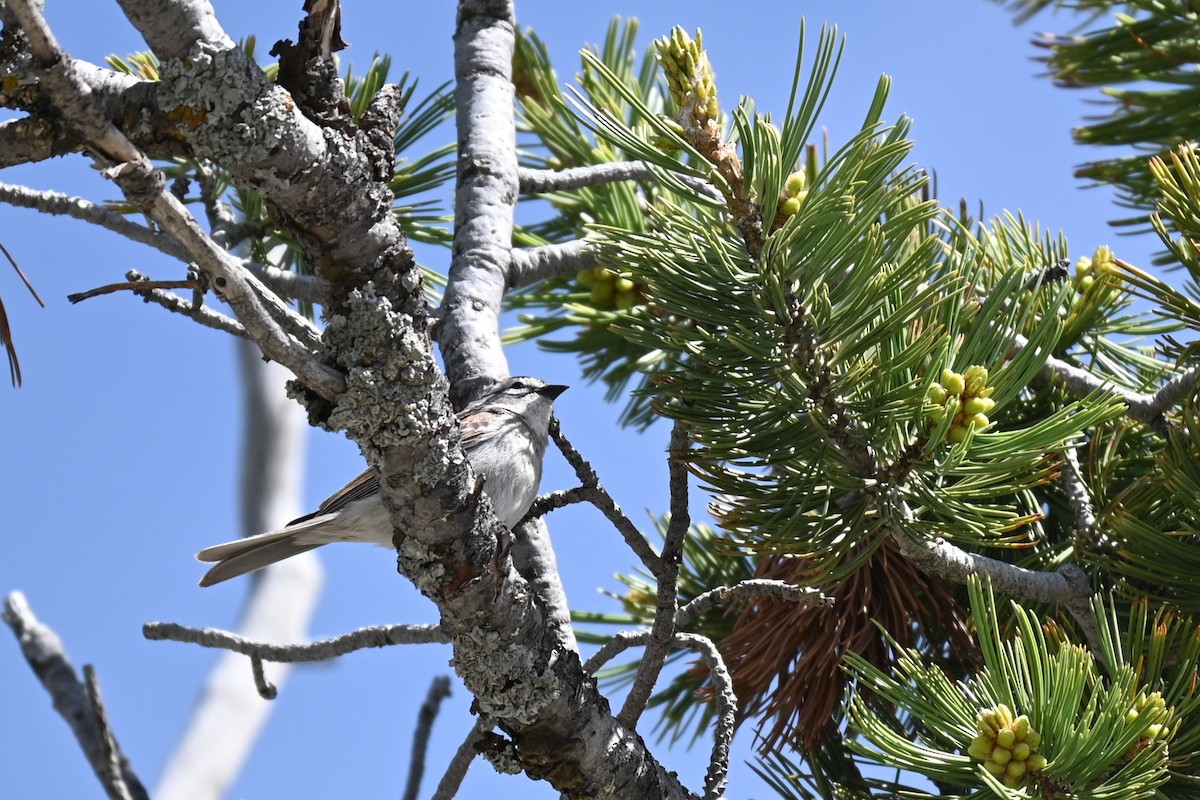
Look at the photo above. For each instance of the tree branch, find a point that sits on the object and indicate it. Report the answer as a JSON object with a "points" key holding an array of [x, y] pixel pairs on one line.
{"points": [[173, 27], [939, 557], [666, 576], [154, 292], [143, 185], [541, 181], [745, 590], [438, 691], [723, 696], [549, 261], [452, 778], [594, 493], [75, 702], [110, 756], [374, 636], [1147, 408], [484, 199], [283, 282]]}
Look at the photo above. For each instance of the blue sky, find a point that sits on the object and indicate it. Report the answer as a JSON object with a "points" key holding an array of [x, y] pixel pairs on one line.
{"points": [[120, 452]]}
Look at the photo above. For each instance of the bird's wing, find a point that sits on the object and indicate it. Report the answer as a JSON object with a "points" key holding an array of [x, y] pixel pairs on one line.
{"points": [[365, 485]]}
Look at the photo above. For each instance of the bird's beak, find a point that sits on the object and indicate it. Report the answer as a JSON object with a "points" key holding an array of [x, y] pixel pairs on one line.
{"points": [[552, 390]]}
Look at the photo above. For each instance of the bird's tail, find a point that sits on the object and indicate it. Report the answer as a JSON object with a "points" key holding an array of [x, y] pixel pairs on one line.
{"points": [[255, 552]]}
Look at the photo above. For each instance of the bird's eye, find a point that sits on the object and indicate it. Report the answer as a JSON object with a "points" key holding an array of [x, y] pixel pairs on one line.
{"points": [[519, 385]]}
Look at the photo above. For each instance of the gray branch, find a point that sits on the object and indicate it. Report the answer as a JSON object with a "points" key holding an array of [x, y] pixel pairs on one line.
{"points": [[484, 200], [57, 203], [375, 636], [594, 493], [945, 560], [282, 282], [144, 186], [541, 181], [80, 708], [1080, 499], [666, 576], [1147, 408], [173, 27], [456, 771], [724, 698], [438, 691], [549, 261], [201, 314], [113, 777], [746, 590]]}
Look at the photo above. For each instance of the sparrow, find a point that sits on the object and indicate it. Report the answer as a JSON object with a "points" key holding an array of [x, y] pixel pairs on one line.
{"points": [[504, 435]]}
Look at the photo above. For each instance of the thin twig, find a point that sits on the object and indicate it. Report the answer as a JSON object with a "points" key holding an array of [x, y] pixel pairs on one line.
{"points": [[57, 203], [723, 696], [44, 652], [552, 501], [666, 577], [375, 636], [716, 778], [130, 286], [1080, 499], [452, 778], [747, 590], [601, 499], [22, 276], [541, 181], [206, 316], [112, 778], [144, 185], [266, 690], [438, 691], [284, 282], [1147, 408]]}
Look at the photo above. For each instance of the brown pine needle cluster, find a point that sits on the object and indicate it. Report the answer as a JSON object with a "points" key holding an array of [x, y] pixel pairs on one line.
{"points": [[785, 658]]}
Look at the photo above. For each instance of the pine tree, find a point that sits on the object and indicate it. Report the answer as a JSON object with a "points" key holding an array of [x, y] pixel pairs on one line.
{"points": [[956, 495]]}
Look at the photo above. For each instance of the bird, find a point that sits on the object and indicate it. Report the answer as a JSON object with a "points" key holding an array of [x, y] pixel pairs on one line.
{"points": [[504, 434]]}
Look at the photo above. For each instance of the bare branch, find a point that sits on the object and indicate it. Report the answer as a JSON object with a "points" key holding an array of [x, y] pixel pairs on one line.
{"points": [[438, 691], [135, 285], [484, 200], [452, 778], [172, 302], [552, 501], [747, 590], [600, 498], [48, 658], [30, 139], [549, 261], [143, 185], [1080, 499], [666, 577], [375, 636], [57, 203], [1147, 408], [1175, 390], [283, 282], [266, 690], [540, 181], [724, 698], [173, 27], [111, 777], [123, 99], [939, 557]]}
